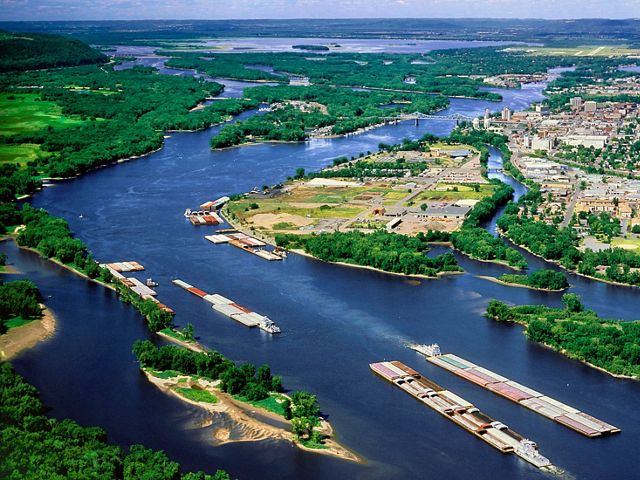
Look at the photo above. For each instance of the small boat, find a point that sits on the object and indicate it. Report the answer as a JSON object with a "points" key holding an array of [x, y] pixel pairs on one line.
{"points": [[151, 283], [269, 326], [432, 350], [187, 212]]}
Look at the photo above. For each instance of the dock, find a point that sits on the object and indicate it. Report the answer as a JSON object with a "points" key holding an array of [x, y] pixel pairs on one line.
{"points": [[123, 267], [527, 397], [460, 412], [231, 309], [248, 244]]}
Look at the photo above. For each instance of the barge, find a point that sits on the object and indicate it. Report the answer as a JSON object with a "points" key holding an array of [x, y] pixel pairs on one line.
{"points": [[527, 397], [461, 412], [231, 309], [248, 244]]}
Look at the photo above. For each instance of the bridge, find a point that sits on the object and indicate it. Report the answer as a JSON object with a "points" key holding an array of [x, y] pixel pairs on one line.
{"points": [[417, 116]]}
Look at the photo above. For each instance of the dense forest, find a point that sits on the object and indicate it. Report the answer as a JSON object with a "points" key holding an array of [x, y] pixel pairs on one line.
{"points": [[390, 252], [21, 299], [32, 51], [578, 333], [33, 445]]}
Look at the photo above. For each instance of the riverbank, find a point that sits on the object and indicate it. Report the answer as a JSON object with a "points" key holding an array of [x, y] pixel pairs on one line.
{"points": [[247, 424], [19, 339], [518, 285], [194, 346], [65, 266]]}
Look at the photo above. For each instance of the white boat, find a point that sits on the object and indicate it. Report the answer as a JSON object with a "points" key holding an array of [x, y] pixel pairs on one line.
{"points": [[187, 212], [151, 283], [269, 326], [528, 450], [432, 350]]}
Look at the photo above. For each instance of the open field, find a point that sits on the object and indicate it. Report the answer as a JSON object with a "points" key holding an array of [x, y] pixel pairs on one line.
{"points": [[25, 113], [20, 153], [583, 51], [626, 243], [449, 192]]}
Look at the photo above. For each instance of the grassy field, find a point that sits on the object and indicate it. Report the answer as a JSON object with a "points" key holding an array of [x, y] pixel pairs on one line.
{"points": [[21, 153], [584, 51], [450, 192], [272, 404], [178, 335], [24, 113], [17, 322], [197, 395], [626, 243]]}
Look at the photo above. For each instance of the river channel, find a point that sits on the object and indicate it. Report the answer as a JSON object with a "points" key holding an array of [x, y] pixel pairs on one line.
{"points": [[335, 322]]}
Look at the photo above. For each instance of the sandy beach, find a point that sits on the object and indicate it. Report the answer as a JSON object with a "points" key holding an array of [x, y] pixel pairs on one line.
{"points": [[18, 339], [246, 419]]}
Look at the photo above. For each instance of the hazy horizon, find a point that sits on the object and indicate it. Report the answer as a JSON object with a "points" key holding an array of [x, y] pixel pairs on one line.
{"points": [[96, 10]]}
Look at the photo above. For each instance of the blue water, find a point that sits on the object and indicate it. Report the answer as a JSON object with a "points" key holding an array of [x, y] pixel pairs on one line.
{"points": [[335, 321]]}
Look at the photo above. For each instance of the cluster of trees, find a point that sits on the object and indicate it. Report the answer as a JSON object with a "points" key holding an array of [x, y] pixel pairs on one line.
{"points": [[480, 244], [366, 168], [36, 446], [610, 344], [157, 318], [52, 238], [602, 224], [18, 299], [546, 279], [244, 380], [37, 50], [390, 252]]}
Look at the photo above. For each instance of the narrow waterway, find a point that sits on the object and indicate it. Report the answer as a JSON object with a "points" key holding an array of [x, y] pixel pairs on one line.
{"points": [[335, 322]]}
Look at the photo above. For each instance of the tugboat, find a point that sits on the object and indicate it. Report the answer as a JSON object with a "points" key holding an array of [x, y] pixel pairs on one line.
{"points": [[269, 326], [187, 212], [151, 283], [528, 450], [432, 350]]}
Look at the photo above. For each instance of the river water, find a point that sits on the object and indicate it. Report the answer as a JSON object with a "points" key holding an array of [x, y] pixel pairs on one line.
{"points": [[335, 322]]}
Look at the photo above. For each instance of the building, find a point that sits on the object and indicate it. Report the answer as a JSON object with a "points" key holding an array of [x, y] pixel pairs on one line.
{"points": [[576, 103], [595, 141], [590, 106], [506, 114]]}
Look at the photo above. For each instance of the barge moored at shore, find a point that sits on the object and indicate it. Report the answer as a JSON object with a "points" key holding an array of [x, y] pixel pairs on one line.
{"points": [[231, 309], [527, 397], [461, 412]]}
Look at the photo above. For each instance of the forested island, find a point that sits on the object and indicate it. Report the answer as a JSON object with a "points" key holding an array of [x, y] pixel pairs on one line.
{"points": [[612, 345], [549, 280]]}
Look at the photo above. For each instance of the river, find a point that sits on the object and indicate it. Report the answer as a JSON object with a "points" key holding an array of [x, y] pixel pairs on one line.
{"points": [[335, 322]]}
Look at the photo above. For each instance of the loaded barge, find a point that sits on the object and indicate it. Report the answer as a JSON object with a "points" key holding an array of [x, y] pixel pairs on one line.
{"points": [[231, 309], [525, 396], [248, 244], [461, 412], [143, 290]]}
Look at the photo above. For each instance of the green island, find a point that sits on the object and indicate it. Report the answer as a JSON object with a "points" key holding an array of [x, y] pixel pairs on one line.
{"points": [[611, 345], [37, 446], [211, 379], [540, 280]]}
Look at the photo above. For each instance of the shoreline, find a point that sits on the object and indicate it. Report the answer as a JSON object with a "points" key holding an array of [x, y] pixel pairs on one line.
{"points": [[246, 418], [519, 285], [67, 267], [17, 340], [194, 346], [568, 354]]}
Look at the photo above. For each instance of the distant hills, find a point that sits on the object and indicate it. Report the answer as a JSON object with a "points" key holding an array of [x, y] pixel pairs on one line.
{"points": [[555, 32], [31, 51]]}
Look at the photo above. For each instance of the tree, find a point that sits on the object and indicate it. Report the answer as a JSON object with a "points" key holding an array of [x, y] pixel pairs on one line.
{"points": [[187, 332], [572, 302]]}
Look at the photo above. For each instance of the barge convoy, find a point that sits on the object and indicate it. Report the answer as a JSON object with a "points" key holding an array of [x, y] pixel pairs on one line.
{"points": [[461, 412], [231, 309], [538, 402]]}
